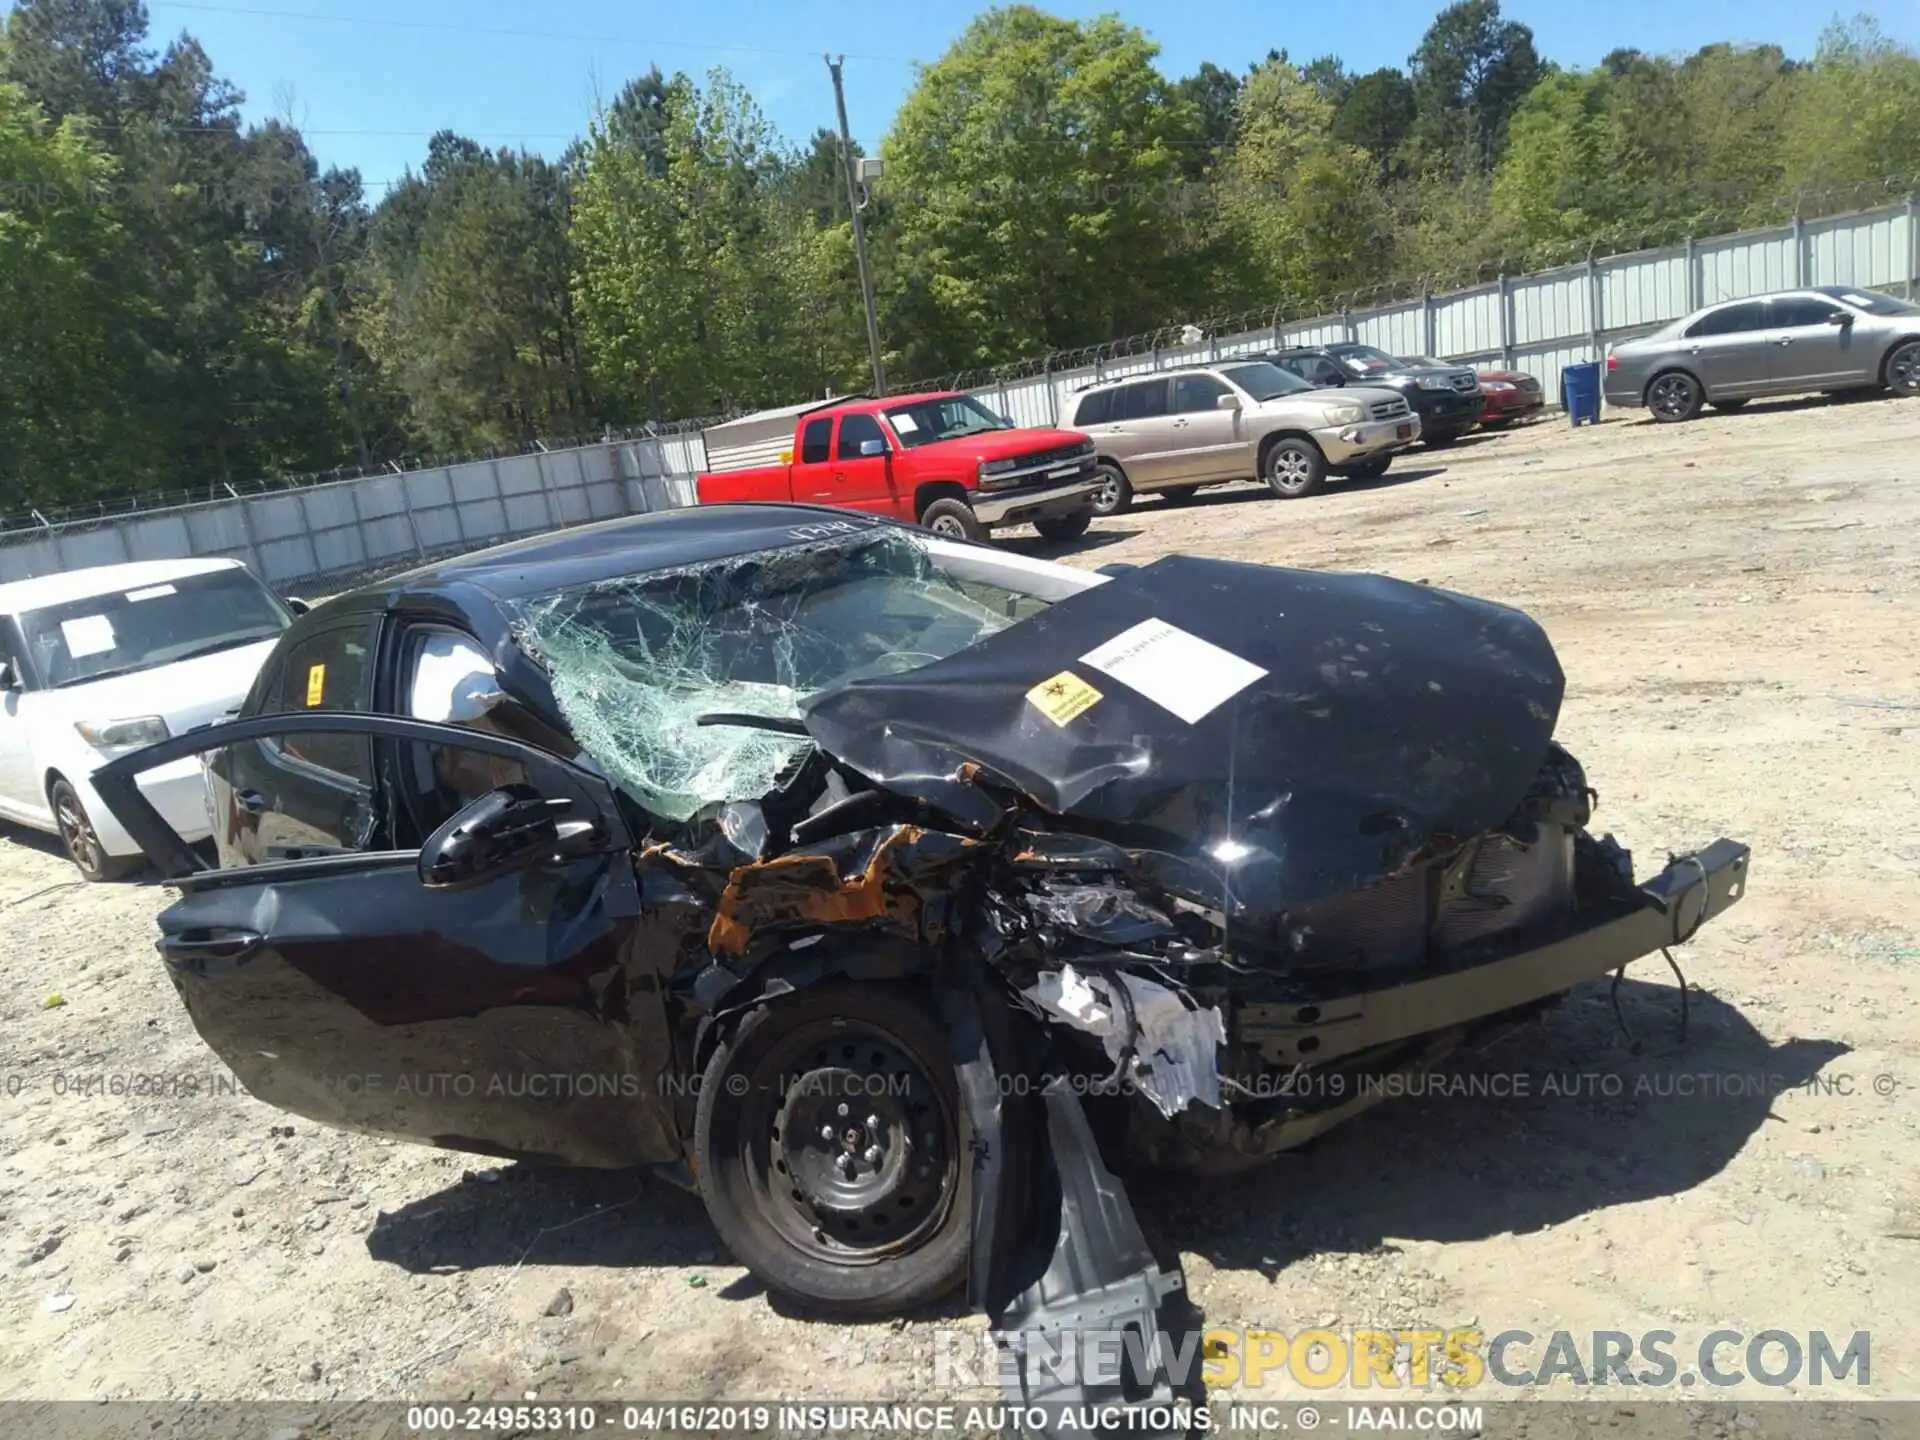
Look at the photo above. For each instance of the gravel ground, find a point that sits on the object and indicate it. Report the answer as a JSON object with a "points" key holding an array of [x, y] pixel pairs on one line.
{"points": [[1735, 603]]}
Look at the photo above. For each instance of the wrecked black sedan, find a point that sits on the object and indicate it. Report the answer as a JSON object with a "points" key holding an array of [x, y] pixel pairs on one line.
{"points": [[889, 888]]}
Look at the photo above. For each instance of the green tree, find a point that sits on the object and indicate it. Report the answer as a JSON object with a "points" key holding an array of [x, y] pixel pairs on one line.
{"points": [[1038, 193], [1470, 72], [70, 350], [702, 284], [1376, 115], [1856, 112]]}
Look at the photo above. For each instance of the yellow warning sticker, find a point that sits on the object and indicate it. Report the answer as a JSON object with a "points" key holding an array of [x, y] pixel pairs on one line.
{"points": [[1063, 697], [316, 684]]}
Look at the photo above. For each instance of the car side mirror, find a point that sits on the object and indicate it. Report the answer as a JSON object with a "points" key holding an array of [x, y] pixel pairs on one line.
{"points": [[873, 447], [297, 605], [1840, 318], [1115, 567], [1328, 381], [504, 830], [1226, 402]]}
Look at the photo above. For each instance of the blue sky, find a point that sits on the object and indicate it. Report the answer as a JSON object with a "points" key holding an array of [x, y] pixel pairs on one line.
{"points": [[369, 80]]}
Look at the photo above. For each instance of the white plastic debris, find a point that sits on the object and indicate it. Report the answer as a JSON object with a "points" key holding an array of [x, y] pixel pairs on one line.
{"points": [[454, 682], [57, 1303], [1173, 1045]]}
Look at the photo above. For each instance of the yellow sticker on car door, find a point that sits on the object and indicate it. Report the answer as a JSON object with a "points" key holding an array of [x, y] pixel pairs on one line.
{"points": [[1063, 697], [316, 684]]}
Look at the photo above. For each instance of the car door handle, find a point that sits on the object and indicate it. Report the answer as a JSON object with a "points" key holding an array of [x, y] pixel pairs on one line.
{"points": [[251, 801], [1784, 340], [1178, 424], [191, 949]]}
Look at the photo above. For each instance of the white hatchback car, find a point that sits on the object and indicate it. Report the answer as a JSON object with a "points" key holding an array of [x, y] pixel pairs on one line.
{"points": [[97, 662]]}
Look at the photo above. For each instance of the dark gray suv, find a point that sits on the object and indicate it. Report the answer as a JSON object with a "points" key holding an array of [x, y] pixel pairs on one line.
{"points": [[1831, 337]]}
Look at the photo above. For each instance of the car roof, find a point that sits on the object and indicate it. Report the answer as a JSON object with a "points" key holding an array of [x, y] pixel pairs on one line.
{"points": [[629, 545], [57, 589]]}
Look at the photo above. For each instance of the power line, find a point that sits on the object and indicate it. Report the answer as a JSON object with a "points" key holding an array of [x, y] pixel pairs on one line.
{"points": [[511, 32]]}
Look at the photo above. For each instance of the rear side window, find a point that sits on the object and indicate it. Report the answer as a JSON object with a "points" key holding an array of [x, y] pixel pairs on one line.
{"points": [[855, 431], [814, 441], [1791, 310], [1095, 409], [1141, 402], [1731, 321]]}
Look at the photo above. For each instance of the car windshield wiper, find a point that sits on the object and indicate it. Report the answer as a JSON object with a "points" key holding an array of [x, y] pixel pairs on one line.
{"points": [[778, 724]]}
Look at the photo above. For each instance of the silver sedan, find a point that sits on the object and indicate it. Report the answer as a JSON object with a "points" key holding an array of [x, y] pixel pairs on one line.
{"points": [[1830, 337]]}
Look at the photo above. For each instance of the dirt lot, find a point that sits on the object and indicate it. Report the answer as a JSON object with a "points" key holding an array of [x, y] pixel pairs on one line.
{"points": [[1735, 603]]}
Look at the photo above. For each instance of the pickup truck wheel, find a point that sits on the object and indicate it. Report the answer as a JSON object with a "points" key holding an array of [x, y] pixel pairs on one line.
{"points": [[81, 840], [1114, 494], [953, 520], [1295, 468], [1065, 527], [829, 1139]]}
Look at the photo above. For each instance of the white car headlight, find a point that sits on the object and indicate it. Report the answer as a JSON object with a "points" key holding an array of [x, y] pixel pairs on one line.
{"points": [[991, 468], [1496, 385], [122, 734], [1347, 414], [1433, 382]]}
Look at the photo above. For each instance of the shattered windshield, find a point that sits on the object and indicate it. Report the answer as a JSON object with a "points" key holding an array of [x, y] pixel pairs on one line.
{"points": [[634, 662]]}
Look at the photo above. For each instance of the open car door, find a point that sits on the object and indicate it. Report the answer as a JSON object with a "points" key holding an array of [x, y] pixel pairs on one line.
{"points": [[477, 987]]}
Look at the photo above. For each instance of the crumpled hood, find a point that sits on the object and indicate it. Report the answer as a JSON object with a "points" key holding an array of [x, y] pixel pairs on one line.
{"points": [[1300, 733]]}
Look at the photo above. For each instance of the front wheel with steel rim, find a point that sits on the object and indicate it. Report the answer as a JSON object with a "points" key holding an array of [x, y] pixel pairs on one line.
{"points": [[1114, 494], [1294, 468], [953, 520], [829, 1143], [79, 836], [1675, 395], [1903, 368]]}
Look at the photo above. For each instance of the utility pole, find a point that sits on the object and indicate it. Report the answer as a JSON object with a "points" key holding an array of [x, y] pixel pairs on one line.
{"points": [[859, 226]]}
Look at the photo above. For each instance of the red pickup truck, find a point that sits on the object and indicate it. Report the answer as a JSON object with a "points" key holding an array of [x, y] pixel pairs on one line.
{"points": [[942, 460]]}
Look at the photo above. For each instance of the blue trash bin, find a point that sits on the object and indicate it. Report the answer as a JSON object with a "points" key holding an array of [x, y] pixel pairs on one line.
{"points": [[1580, 393]]}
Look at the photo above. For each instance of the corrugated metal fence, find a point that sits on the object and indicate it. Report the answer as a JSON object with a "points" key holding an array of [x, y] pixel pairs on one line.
{"points": [[346, 527], [1537, 323], [1541, 323]]}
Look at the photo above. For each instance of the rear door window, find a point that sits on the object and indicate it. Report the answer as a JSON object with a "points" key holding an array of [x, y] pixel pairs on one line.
{"points": [[328, 670], [1732, 320], [1142, 402], [815, 439]]}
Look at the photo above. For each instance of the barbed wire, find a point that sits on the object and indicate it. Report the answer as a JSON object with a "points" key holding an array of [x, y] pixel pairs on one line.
{"points": [[1709, 227]]}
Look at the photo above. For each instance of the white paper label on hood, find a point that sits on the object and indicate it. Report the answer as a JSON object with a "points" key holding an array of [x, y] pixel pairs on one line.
{"points": [[1177, 671]]}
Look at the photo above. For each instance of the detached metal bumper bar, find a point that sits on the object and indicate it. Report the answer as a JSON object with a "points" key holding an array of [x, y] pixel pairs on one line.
{"points": [[1672, 906], [1019, 506]]}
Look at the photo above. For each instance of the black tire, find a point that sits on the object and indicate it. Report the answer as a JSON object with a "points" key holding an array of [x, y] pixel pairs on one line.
{"points": [[1115, 495], [1901, 371], [953, 520], [81, 840], [1180, 494], [1730, 405], [886, 1234], [1370, 469], [1673, 396], [1293, 468], [1440, 439], [1065, 527]]}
